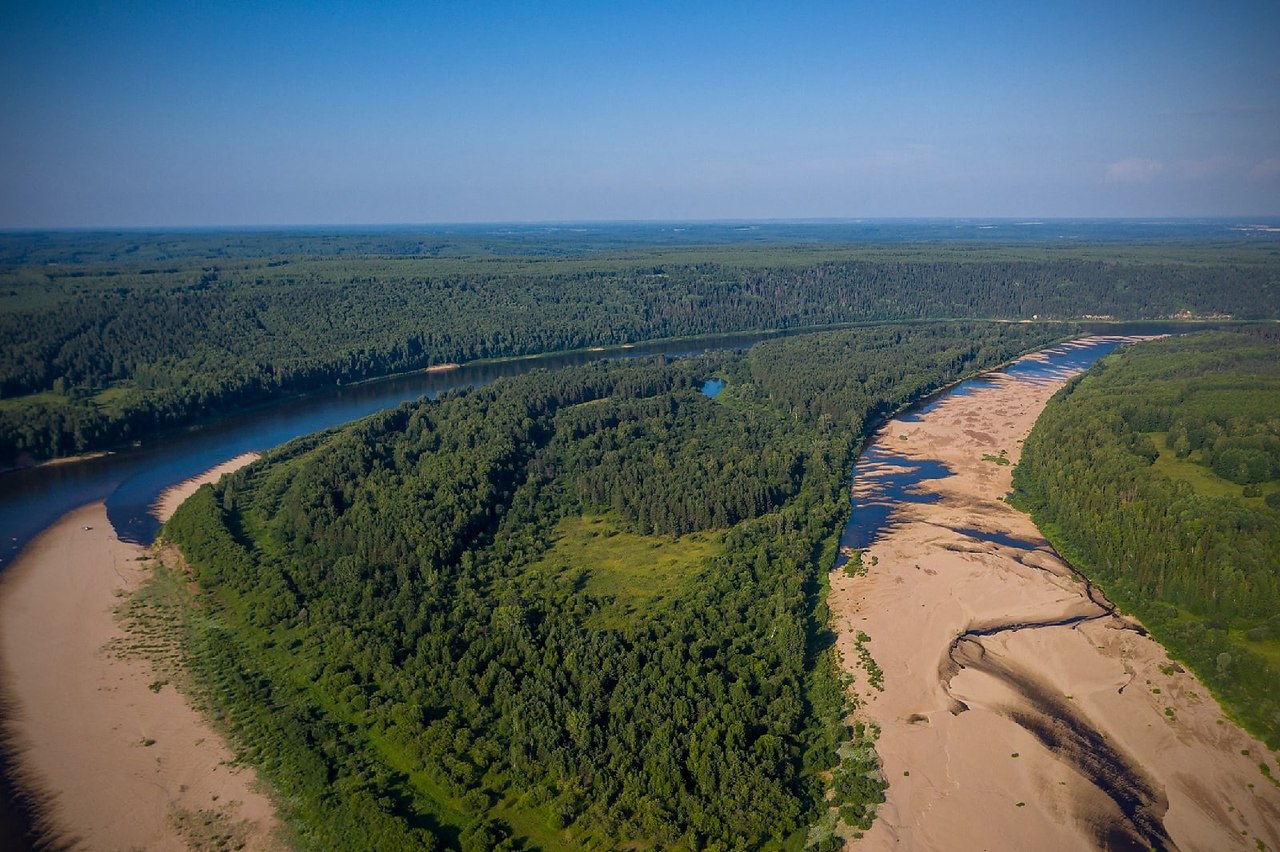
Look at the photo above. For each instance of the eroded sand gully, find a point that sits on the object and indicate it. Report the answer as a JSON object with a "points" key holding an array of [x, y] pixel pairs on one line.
{"points": [[1018, 711], [118, 757]]}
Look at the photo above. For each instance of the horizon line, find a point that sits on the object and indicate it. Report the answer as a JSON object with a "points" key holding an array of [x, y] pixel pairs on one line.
{"points": [[1243, 220]]}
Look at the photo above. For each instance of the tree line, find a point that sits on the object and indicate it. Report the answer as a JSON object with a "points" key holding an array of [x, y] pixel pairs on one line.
{"points": [[1156, 474], [96, 354]]}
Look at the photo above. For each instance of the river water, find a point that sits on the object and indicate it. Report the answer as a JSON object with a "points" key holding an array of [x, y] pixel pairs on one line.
{"points": [[132, 479], [897, 478]]}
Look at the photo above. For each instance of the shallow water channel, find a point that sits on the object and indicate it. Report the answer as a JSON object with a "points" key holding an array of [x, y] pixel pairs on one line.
{"points": [[1001, 681], [884, 479]]}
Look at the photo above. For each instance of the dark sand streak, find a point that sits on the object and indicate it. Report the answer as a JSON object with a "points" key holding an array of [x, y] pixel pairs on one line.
{"points": [[1066, 732]]}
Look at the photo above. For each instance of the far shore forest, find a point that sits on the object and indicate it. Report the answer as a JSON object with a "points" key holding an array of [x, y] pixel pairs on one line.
{"points": [[109, 339], [585, 608]]}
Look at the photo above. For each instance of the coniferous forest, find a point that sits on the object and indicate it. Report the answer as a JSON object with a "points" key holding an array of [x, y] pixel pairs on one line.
{"points": [[574, 609], [1158, 474], [111, 338]]}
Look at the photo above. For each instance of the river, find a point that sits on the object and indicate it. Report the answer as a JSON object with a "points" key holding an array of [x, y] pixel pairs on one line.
{"points": [[130, 480]]}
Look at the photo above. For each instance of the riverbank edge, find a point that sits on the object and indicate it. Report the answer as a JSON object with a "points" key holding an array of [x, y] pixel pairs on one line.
{"points": [[605, 352], [42, 819], [858, 446], [1067, 550]]}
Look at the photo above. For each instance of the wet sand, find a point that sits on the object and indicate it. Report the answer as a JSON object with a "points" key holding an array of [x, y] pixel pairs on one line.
{"points": [[1017, 711], [115, 755]]}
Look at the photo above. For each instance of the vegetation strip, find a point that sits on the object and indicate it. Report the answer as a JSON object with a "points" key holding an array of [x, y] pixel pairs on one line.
{"points": [[106, 345]]}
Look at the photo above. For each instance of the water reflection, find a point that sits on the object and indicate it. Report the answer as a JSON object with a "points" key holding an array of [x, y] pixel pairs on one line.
{"points": [[882, 481]]}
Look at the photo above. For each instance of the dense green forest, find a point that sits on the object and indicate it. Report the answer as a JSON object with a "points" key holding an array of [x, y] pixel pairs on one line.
{"points": [[574, 609], [1158, 474], [107, 339]]}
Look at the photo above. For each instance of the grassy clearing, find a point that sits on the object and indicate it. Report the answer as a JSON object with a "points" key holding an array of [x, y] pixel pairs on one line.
{"points": [[1267, 649], [629, 570], [1205, 482], [112, 400], [18, 403]]}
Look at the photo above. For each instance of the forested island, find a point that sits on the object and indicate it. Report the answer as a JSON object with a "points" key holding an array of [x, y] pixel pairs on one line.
{"points": [[1158, 474], [110, 338], [580, 609]]}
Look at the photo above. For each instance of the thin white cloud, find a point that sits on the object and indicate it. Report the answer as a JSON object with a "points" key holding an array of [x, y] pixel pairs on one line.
{"points": [[1134, 170]]}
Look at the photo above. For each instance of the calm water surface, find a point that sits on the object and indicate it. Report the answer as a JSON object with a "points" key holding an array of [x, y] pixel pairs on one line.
{"points": [[884, 479], [131, 480]]}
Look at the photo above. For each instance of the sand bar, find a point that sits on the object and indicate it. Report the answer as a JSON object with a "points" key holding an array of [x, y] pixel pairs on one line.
{"points": [[117, 762], [1016, 713]]}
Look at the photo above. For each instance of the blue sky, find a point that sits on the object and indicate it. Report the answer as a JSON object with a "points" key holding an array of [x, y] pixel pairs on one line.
{"points": [[244, 113]]}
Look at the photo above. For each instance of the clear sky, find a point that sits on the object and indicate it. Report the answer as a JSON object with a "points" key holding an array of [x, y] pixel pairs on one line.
{"points": [[134, 113]]}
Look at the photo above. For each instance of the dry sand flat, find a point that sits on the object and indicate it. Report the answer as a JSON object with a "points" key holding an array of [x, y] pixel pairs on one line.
{"points": [[1017, 712], [120, 764]]}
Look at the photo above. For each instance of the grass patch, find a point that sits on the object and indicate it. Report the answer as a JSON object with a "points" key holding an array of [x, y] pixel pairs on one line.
{"points": [[112, 400], [629, 570], [47, 398], [1267, 649], [1205, 482]]}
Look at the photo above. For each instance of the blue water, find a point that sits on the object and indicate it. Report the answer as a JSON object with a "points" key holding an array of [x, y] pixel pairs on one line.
{"points": [[926, 408], [876, 494], [713, 387], [132, 479], [1000, 538], [1062, 361]]}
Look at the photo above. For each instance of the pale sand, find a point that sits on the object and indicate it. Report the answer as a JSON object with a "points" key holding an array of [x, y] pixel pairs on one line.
{"points": [[116, 763], [964, 787]]}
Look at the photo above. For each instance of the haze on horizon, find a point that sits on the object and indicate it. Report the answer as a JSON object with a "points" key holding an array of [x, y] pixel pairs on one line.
{"points": [[218, 114]]}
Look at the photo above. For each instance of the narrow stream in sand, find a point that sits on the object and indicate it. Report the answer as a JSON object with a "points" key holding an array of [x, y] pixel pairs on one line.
{"points": [[884, 478], [1005, 671]]}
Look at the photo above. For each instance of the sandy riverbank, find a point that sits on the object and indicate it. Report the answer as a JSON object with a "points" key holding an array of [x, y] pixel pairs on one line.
{"points": [[119, 758], [1074, 736]]}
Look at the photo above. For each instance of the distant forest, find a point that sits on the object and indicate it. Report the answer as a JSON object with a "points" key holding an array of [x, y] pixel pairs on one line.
{"points": [[1158, 474], [580, 609], [109, 338]]}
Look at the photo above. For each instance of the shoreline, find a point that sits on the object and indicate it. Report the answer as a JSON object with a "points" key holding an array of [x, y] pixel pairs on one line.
{"points": [[1007, 690], [108, 753], [602, 351]]}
